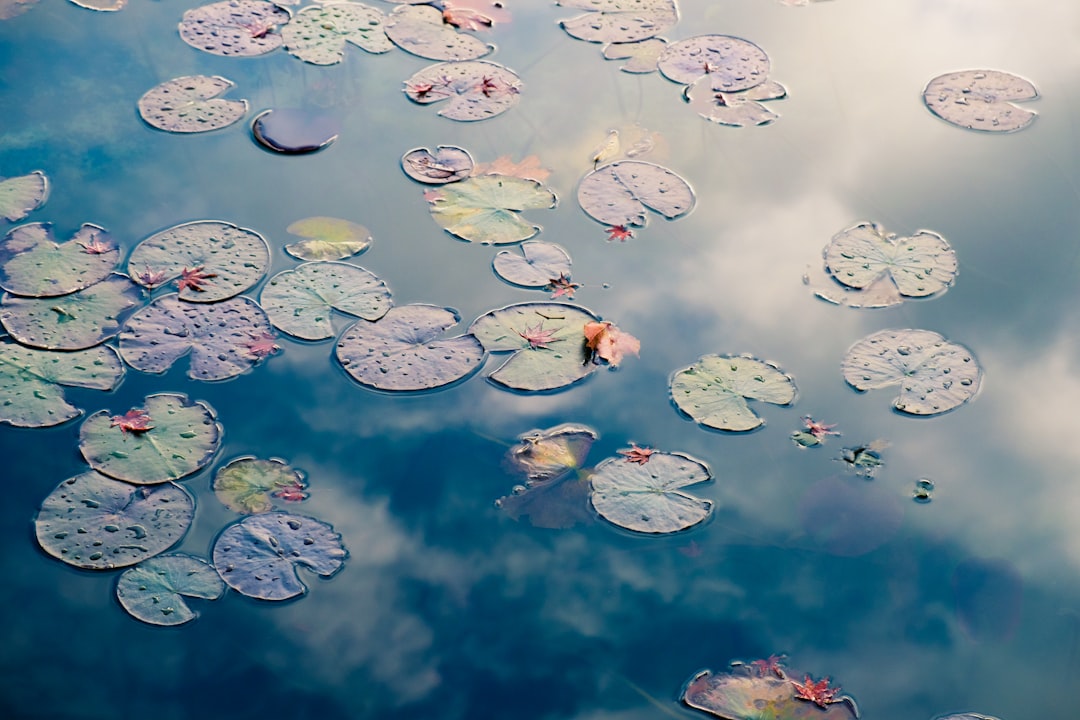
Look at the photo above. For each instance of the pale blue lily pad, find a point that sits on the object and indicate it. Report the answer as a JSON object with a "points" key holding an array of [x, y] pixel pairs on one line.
{"points": [[34, 264], [619, 21], [191, 104], [922, 265], [420, 30], [714, 390], [21, 195], [734, 109], [234, 28], [318, 34], [731, 64], [301, 301], [447, 164], [981, 100], [154, 590], [620, 194], [647, 497], [473, 89], [537, 265], [640, 56]]}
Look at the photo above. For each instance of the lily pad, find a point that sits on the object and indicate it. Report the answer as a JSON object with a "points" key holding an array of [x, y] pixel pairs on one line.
{"points": [[34, 264], [318, 33], [295, 131], [76, 321], [225, 339], [101, 5], [229, 259], [475, 89], [420, 30], [714, 390], [191, 104], [543, 455], [641, 56], [981, 100], [919, 266], [734, 109], [965, 716], [179, 438], [619, 193], [21, 195], [536, 265], [260, 555], [241, 28], [300, 302], [619, 21], [94, 522], [485, 208], [447, 164], [32, 381], [646, 496], [402, 350], [547, 340], [154, 590], [934, 375], [327, 239], [731, 64], [247, 484], [746, 695]]}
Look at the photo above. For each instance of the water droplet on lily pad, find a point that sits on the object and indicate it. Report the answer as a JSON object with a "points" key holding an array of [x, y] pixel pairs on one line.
{"points": [[327, 238], [619, 194], [318, 34], [241, 28], [248, 484], [422, 31], [19, 196], [619, 21], [295, 131], [301, 301], [473, 89], [981, 100], [191, 104], [34, 264], [154, 590], [646, 496], [484, 209], [714, 390]]}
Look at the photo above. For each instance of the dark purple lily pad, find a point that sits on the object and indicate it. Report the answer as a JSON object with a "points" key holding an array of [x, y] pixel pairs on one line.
{"points": [[23, 194], [234, 27], [154, 591], [447, 164], [191, 104], [620, 193], [34, 264], [318, 34], [301, 301], [420, 30], [981, 100], [475, 89], [641, 56], [537, 265], [731, 64], [295, 131], [619, 21], [735, 109]]}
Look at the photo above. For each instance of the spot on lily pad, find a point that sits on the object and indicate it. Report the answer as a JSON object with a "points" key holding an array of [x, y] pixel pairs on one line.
{"points": [[154, 590], [981, 100], [421, 30], [318, 34], [301, 301], [536, 266], [241, 28], [248, 484], [731, 64], [21, 195], [33, 263], [474, 89], [484, 208], [447, 164], [647, 497], [619, 21], [295, 131], [327, 238], [714, 390], [619, 194], [191, 104]]}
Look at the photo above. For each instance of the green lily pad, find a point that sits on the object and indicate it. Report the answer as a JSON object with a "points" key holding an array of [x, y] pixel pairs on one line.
{"points": [[32, 381], [473, 89], [619, 194], [247, 484], [746, 695], [191, 104], [300, 302], [646, 496], [619, 21], [484, 209], [714, 390], [327, 239], [180, 437], [319, 34], [21, 195], [919, 266], [421, 30], [34, 264], [94, 522], [981, 100], [154, 590]]}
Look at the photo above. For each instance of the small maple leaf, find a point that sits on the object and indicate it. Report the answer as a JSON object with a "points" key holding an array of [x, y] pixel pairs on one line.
{"points": [[619, 232], [293, 492], [772, 665], [96, 246], [609, 343], [537, 337], [261, 345], [194, 279], [150, 277], [561, 286], [818, 692], [134, 421], [817, 429], [635, 454], [489, 86]]}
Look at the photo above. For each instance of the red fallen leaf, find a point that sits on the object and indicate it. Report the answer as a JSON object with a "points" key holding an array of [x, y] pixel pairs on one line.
{"points": [[134, 421], [619, 232], [537, 337], [528, 169], [561, 286], [292, 493], [262, 345], [96, 246], [817, 429], [609, 342], [635, 454], [194, 279], [151, 277], [772, 665], [818, 692]]}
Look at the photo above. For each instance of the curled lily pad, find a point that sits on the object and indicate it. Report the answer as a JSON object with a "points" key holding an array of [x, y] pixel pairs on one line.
{"points": [[646, 496], [981, 100], [919, 266], [735, 109], [965, 716], [247, 484], [547, 454], [420, 30], [225, 339], [300, 302], [32, 381], [75, 321], [327, 238], [94, 522], [714, 390], [34, 264], [742, 694], [210, 259], [101, 5], [241, 28], [23, 194], [295, 131], [474, 89], [547, 340], [318, 33], [934, 375], [191, 104], [154, 590], [619, 21], [731, 64], [402, 351], [537, 265], [485, 208], [447, 164], [641, 56], [619, 193], [168, 438], [260, 555]]}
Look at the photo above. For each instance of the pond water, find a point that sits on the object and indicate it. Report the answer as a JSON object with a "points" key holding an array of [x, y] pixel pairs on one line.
{"points": [[447, 607]]}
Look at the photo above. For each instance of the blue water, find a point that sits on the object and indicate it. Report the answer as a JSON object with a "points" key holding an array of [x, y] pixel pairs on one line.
{"points": [[447, 608]]}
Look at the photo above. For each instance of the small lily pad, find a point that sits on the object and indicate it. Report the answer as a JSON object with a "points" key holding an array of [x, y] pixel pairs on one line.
{"points": [[714, 390], [742, 694], [485, 208], [548, 454], [240, 28], [260, 555], [21, 195], [300, 302], [731, 64], [94, 522], [447, 164], [318, 34], [154, 590], [34, 264], [101, 5], [327, 239], [934, 375], [981, 100], [420, 30], [641, 56], [646, 497], [475, 89], [402, 351], [247, 484], [920, 266], [619, 21], [734, 109], [295, 131], [619, 193], [191, 104], [537, 265]]}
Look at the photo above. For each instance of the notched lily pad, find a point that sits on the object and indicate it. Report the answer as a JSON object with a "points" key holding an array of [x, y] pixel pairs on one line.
{"points": [[248, 484], [619, 193], [536, 266], [300, 302], [981, 100], [641, 56], [191, 104], [421, 30], [485, 208], [474, 89], [734, 109], [327, 238], [646, 496], [447, 164], [21, 195], [619, 21], [154, 590], [921, 266], [295, 131], [731, 64], [34, 264], [241, 28], [318, 33], [714, 390]]}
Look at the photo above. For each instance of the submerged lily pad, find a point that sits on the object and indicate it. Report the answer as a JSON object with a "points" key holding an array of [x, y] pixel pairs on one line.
{"points": [[155, 589], [421, 30], [94, 522], [619, 193], [32, 381], [919, 266], [475, 89], [641, 56], [485, 208], [318, 33], [731, 64], [295, 131], [19, 196], [538, 264], [300, 302], [646, 496], [734, 109], [402, 350], [327, 239], [619, 21], [934, 375], [34, 264], [191, 104], [169, 438], [447, 164], [260, 555], [242, 28], [556, 494], [747, 695], [247, 484], [225, 339], [714, 390], [981, 100]]}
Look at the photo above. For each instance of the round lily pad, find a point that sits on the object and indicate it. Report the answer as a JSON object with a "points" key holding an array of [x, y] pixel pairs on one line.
{"points": [[981, 100], [402, 351], [34, 264], [154, 590], [295, 131], [920, 266], [327, 238], [646, 496], [168, 438], [260, 555], [318, 34], [474, 89], [641, 56], [21, 195], [447, 164], [241, 28], [619, 193], [731, 64], [485, 208], [741, 695], [300, 302], [714, 390], [421, 30], [211, 260], [191, 104], [94, 522], [247, 484], [536, 265], [619, 21], [934, 375], [734, 109]]}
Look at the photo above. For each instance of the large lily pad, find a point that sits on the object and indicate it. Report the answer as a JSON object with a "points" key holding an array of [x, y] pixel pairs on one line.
{"points": [[241, 28], [447, 164], [403, 351], [318, 33], [747, 695], [225, 339], [168, 438], [734, 109], [619, 21], [154, 590], [72, 322], [300, 302], [619, 193], [327, 238], [934, 375], [32, 381], [981, 100], [420, 30], [921, 265], [191, 104], [34, 264], [731, 64], [247, 484], [646, 496], [475, 89], [547, 340], [259, 556], [485, 208], [714, 390], [537, 265], [94, 522], [19, 196]]}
